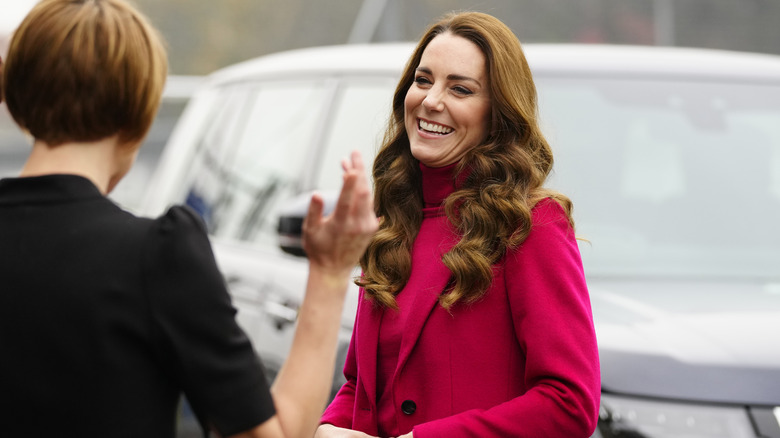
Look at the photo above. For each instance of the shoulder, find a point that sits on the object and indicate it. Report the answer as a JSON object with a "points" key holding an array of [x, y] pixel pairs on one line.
{"points": [[549, 251], [180, 219], [550, 229], [180, 223], [548, 211], [548, 216], [179, 237]]}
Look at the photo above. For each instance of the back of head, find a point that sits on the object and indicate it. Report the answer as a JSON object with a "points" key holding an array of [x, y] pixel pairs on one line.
{"points": [[83, 70]]}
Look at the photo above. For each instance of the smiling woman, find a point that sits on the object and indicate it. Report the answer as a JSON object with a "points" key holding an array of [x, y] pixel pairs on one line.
{"points": [[448, 106], [475, 265]]}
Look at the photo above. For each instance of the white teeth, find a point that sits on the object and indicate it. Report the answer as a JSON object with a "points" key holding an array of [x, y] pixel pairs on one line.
{"points": [[431, 127]]}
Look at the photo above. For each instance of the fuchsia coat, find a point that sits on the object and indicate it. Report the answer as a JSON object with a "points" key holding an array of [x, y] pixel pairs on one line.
{"points": [[521, 362]]}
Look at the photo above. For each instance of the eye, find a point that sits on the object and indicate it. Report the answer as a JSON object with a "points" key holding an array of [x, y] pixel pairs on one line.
{"points": [[422, 80], [459, 89]]}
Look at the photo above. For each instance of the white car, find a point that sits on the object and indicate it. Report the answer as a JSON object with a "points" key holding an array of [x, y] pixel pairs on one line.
{"points": [[672, 159]]}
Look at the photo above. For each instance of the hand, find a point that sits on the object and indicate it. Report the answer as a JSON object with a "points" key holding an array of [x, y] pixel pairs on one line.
{"points": [[336, 242], [408, 435], [331, 431]]}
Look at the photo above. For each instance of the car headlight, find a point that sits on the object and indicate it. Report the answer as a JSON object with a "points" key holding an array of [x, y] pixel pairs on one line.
{"points": [[627, 417]]}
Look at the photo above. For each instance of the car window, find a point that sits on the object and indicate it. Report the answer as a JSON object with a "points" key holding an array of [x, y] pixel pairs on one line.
{"points": [[645, 160], [253, 156], [15, 146], [358, 122], [202, 181]]}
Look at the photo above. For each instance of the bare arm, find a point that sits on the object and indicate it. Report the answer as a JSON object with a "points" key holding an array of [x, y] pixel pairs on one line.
{"points": [[333, 245], [331, 431]]}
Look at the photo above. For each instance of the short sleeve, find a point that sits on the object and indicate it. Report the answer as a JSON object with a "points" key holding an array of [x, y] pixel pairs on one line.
{"points": [[194, 325]]}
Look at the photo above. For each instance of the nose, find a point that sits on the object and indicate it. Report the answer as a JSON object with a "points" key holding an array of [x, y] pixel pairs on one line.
{"points": [[434, 100]]}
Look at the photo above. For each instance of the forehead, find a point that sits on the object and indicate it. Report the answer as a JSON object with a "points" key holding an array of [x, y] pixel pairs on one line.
{"points": [[455, 54]]}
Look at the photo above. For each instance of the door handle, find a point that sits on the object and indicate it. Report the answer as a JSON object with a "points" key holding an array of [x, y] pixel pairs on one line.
{"points": [[281, 314]]}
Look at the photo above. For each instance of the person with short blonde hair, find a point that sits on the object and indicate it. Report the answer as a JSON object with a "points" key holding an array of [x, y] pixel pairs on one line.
{"points": [[107, 318], [82, 71]]}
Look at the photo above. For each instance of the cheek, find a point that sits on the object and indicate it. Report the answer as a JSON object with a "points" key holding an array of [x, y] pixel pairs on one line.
{"points": [[409, 106], [486, 126], [487, 121], [414, 97], [409, 101]]}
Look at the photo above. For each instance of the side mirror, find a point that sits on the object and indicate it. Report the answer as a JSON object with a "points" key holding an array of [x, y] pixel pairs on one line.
{"points": [[291, 215]]}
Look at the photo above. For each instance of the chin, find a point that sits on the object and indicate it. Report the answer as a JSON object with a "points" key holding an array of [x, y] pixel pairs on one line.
{"points": [[431, 161], [420, 153]]}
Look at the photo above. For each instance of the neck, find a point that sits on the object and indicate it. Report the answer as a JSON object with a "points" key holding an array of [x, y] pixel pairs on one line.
{"points": [[438, 183], [104, 162]]}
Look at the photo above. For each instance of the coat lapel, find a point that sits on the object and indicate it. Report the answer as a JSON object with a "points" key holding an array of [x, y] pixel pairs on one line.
{"points": [[428, 279], [435, 278], [370, 316], [367, 332]]}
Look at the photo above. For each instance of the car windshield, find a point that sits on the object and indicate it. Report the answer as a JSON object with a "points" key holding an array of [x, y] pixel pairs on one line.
{"points": [[675, 179]]}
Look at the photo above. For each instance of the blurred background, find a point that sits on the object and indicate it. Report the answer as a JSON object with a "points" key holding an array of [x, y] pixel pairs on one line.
{"points": [[205, 35]]}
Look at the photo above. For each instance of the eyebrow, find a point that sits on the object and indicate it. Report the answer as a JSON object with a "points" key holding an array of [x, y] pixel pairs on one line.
{"points": [[451, 77]]}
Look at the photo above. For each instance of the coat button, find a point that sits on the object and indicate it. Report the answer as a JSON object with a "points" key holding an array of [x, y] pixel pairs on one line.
{"points": [[408, 407]]}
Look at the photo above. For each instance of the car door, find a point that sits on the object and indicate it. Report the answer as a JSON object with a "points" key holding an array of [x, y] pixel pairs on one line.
{"points": [[250, 154]]}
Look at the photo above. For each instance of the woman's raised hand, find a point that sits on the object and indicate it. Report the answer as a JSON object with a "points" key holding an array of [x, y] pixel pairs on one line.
{"points": [[334, 243]]}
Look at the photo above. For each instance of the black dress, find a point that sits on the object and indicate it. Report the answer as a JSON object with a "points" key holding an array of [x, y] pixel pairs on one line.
{"points": [[106, 318]]}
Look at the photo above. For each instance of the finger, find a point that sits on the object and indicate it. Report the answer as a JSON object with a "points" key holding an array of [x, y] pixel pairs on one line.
{"points": [[314, 215], [357, 161], [354, 185], [355, 197], [345, 201], [346, 164], [365, 201], [353, 163]]}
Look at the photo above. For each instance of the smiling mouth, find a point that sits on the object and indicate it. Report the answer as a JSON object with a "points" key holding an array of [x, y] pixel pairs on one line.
{"points": [[433, 128]]}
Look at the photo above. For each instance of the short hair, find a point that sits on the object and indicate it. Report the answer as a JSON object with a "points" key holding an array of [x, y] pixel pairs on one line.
{"points": [[84, 70]]}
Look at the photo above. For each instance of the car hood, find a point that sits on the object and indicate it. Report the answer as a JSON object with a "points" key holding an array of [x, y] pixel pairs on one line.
{"points": [[699, 341]]}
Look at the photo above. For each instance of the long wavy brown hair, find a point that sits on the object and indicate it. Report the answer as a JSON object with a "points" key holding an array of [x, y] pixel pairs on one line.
{"points": [[504, 176]]}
